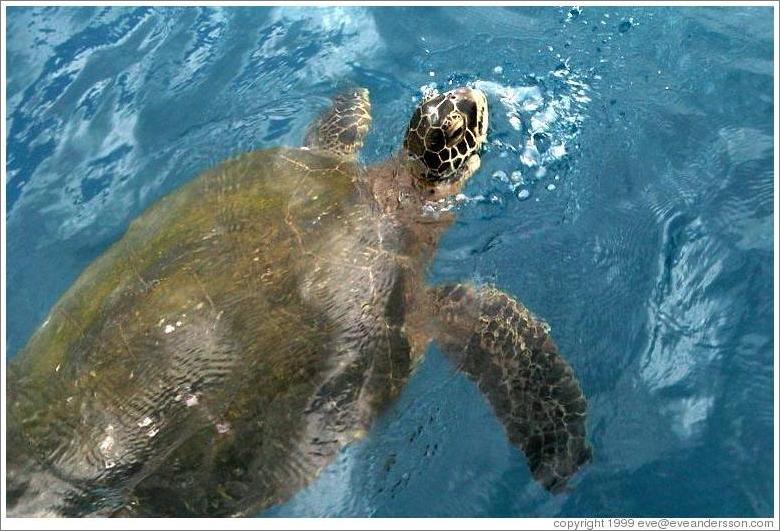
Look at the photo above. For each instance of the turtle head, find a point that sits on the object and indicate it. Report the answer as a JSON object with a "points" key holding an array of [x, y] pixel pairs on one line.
{"points": [[445, 136]]}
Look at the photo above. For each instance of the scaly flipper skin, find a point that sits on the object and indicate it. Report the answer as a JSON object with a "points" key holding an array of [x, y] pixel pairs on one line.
{"points": [[498, 343], [340, 130]]}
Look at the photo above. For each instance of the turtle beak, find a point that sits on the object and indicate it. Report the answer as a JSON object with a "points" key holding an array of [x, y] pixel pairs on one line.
{"points": [[482, 110], [474, 103]]}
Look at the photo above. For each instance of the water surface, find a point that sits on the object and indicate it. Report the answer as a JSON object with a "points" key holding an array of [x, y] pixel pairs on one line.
{"points": [[626, 197]]}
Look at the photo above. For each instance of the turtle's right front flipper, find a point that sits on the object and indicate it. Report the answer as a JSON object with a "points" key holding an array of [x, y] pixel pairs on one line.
{"points": [[498, 343], [342, 128]]}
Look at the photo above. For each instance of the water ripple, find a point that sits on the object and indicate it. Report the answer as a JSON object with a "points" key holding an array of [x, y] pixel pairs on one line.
{"points": [[650, 254]]}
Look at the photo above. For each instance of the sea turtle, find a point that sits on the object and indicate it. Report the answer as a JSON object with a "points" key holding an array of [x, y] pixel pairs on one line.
{"points": [[254, 322]]}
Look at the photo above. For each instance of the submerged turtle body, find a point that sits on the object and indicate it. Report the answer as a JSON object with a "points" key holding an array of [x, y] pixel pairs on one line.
{"points": [[251, 324], [163, 344]]}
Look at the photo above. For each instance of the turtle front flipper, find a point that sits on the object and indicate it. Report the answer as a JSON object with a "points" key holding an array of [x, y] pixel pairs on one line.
{"points": [[498, 343], [342, 128]]}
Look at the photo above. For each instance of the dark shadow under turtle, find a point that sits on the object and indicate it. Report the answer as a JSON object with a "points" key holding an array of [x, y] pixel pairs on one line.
{"points": [[255, 321]]}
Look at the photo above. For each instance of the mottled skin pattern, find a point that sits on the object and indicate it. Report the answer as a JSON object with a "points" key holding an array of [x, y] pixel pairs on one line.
{"points": [[251, 324], [342, 128], [509, 353], [440, 142]]}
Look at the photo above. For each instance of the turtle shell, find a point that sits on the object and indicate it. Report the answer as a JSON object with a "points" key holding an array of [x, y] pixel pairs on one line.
{"points": [[173, 377]]}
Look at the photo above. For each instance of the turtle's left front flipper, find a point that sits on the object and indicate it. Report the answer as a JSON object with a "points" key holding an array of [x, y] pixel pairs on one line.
{"points": [[498, 343], [342, 127]]}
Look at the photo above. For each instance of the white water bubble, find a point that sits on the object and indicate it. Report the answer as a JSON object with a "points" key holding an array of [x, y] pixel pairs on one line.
{"points": [[546, 116], [557, 151], [499, 70], [551, 187], [542, 120], [581, 98], [501, 176], [532, 104], [523, 193], [530, 98], [530, 155], [429, 90]]}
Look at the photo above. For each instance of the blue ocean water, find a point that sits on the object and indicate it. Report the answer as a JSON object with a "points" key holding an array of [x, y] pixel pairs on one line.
{"points": [[626, 196]]}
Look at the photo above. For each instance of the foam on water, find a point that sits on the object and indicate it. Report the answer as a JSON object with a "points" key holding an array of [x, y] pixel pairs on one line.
{"points": [[545, 116]]}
